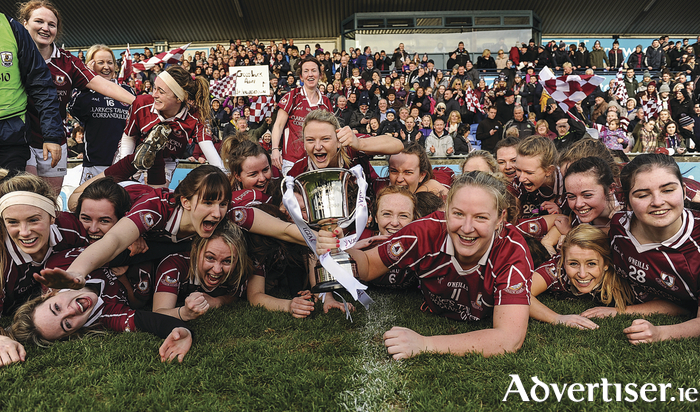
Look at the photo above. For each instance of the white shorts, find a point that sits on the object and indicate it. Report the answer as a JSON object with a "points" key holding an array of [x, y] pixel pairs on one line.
{"points": [[43, 167], [90, 172]]}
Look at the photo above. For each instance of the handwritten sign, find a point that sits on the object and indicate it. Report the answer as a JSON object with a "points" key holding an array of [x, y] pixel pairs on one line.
{"points": [[251, 80]]}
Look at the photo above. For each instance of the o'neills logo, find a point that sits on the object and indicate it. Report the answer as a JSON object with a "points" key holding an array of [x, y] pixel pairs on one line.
{"points": [[59, 80]]}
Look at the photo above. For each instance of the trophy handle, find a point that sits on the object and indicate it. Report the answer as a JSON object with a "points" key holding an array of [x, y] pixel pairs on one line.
{"points": [[296, 184]]}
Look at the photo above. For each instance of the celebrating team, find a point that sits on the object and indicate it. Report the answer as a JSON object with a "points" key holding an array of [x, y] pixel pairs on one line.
{"points": [[627, 238]]}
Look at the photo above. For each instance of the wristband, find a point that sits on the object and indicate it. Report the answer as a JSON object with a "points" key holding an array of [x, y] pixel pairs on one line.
{"points": [[275, 148], [178, 313]]}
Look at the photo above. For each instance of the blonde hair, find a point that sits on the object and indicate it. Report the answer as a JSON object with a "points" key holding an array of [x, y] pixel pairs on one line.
{"points": [[90, 55], [323, 116], [611, 286], [488, 158], [486, 181], [232, 236], [540, 147]]}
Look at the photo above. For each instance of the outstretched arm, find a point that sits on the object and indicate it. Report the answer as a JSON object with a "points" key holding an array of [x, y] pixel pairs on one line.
{"points": [[507, 335], [120, 237], [110, 89], [542, 313], [642, 331]]}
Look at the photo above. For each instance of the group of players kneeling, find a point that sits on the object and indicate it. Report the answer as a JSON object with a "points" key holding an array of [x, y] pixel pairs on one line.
{"points": [[624, 238]]}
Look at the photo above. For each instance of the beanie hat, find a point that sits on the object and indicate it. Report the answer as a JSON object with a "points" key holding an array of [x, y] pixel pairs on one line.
{"points": [[685, 120]]}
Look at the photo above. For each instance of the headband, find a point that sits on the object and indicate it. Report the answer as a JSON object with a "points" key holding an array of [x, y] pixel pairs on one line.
{"points": [[27, 198], [174, 86]]}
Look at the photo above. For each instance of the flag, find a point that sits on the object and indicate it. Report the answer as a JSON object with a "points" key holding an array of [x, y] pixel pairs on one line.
{"points": [[568, 90], [127, 66], [620, 90], [651, 108], [260, 108], [169, 57], [472, 102], [225, 87]]}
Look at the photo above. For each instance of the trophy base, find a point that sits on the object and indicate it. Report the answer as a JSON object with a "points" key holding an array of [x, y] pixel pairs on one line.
{"points": [[325, 281], [329, 286]]}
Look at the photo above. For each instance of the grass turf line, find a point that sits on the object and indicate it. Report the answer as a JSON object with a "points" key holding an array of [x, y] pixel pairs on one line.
{"points": [[380, 384]]}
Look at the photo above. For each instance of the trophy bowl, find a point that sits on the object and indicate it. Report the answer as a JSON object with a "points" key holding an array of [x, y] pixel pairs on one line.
{"points": [[330, 196]]}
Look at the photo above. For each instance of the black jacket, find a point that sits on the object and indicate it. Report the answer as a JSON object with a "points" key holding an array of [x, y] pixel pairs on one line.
{"points": [[41, 92]]}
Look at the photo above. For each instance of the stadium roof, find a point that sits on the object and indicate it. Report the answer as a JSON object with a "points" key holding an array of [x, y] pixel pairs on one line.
{"points": [[145, 22]]}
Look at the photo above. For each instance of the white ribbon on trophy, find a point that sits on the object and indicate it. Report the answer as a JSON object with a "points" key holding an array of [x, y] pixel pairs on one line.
{"points": [[347, 280]]}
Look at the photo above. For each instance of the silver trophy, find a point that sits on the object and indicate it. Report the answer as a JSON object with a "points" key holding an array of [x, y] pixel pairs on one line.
{"points": [[330, 197]]}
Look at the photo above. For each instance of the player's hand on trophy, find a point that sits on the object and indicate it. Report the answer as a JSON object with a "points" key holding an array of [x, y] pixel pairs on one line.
{"points": [[327, 241]]}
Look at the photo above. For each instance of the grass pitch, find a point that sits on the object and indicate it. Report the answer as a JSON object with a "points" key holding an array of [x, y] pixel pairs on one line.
{"points": [[247, 358]]}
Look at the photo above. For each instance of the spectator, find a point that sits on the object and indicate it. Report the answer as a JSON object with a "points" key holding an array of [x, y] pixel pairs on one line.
{"points": [[360, 119], [410, 133], [489, 130], [76, 142], [524, 126], [461, 140], [343, 112], [654, 56], [461, 55], [505, 107], [501, 60], [581, 57], [391, 125], [636, 59], [597, 57], [439, 142], [615, 56], [485, 61]]}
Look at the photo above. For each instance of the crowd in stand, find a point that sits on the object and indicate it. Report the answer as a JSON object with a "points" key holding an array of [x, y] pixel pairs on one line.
{"points": [[404, 95], [541, 206]]}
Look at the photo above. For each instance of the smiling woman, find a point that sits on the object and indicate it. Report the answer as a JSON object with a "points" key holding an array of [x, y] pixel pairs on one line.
{"points": [[327, 145], [78, 310], [584, 268], [478, 266], [654, 247], [213, 273], [43, 22]]}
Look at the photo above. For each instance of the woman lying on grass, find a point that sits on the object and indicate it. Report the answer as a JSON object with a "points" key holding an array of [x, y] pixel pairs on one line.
{"points": [[102, 301], [471, 265], [654, 245], [584, 268], [212, 274]]}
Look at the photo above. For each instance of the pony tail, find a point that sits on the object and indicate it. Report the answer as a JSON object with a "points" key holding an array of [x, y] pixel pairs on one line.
{"points": [[201, 99], [227, 147]]}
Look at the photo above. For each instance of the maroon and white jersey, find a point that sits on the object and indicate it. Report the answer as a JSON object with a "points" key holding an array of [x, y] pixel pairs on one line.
{"points": [[112, 308], [172, 276], [67, 72], [19, 270], [395, 278], [530, 203], [297, 105], [249, 197], [667, 270], [502, 277], [185, 126], [155, 213]]}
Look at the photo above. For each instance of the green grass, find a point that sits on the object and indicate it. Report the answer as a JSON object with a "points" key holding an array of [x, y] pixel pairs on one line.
{"points": [[250, 359]]}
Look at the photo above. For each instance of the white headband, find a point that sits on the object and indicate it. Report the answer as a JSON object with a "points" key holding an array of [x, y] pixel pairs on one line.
{"points": [[174, 86], [27, 198]]}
